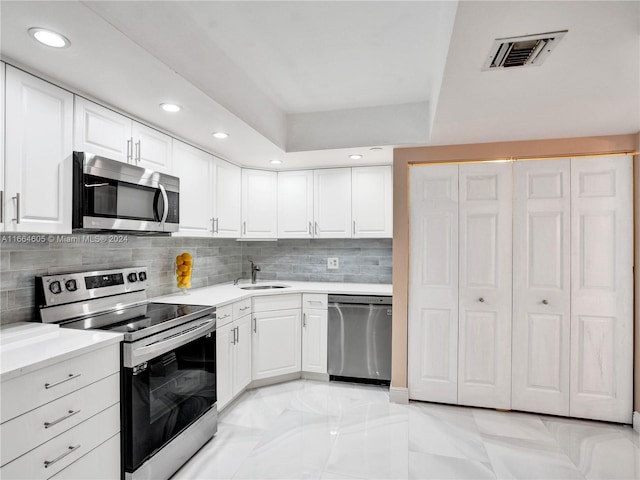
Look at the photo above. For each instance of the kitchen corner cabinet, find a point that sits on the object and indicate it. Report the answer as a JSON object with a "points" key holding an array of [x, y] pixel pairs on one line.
{"points": [[39, 148], [372, 202], [259, 204], [194, 167], [227, 185], [104, 132], [314, 333], [332, 203], [233, 351], [295, 204], [276, 344]]}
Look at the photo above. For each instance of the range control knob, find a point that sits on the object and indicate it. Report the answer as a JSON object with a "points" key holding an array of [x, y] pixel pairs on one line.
{"points": [[142, 276], [55, 287], [132, 277], [71, 285]]}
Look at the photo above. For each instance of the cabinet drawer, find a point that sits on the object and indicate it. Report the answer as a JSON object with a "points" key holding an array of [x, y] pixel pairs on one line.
{"points": [[22, 394], [101, 463], [27, 431], [224, 315], [241, 308], [64, 449], [268, 303], [314, 300]]}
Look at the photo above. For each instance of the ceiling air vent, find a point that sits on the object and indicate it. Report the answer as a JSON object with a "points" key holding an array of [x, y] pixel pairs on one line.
{"points": [[527, 50]]}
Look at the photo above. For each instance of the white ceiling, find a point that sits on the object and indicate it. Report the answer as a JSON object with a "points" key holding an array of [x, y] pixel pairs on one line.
{"points": [[309, 82]]}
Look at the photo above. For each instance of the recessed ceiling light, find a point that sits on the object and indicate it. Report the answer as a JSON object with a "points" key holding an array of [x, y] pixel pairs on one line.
{"points": [[49, 38], [275, 161], [220, 135], [355, 156], [375, 149], [170, 107]]}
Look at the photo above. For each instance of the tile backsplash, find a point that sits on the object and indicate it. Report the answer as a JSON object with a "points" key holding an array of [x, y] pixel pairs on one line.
{"points": [[215, 261]]}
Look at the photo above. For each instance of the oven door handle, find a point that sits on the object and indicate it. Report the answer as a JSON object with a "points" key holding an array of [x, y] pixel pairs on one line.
{"points": [[135, 356], [165, 200]]}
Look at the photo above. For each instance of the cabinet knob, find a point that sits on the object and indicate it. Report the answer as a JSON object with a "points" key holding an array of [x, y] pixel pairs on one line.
{"points": [[545, 302], [481, 300]]}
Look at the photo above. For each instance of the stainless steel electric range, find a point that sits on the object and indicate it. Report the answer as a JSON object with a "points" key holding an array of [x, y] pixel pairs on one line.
{"points": [[168, 372]]}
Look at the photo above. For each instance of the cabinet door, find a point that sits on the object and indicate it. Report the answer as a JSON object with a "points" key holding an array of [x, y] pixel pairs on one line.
{"points": [[224, 364], [193, 166], [2, 113], [101, 463], [314, 341], [295, 204], [39, 122], [242, 354], [151, 149], [433, 284], [276, 345], [372, 195], [259, 204], [541, 286], [332, 203], [485, 285], [102, 131], [602, 289], [227, 187]]}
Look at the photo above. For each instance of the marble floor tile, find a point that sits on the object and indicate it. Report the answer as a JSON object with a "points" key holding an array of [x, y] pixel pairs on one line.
{"points": [[512, 424], [426, 466]]}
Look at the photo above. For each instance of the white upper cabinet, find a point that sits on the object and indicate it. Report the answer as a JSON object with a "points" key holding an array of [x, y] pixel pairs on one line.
{"points": [[227, 187], [194, 168], [332, 203], [541, 286], [39, 148], [602, 289], [2, 188], [106, 133], [101, 131], [372, 196], [151, 148], [259, 204], [295, 204]]}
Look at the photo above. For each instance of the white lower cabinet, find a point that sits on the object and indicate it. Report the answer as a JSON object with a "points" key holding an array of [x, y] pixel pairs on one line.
{"points": [[95, 465], [55, 416], [314, 333], [233, 351], [276, 344]]}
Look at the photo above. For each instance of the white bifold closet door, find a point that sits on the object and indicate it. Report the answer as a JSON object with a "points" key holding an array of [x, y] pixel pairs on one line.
{"points": [[433, 284], [484, 284], [541, 286], [602, 289]]}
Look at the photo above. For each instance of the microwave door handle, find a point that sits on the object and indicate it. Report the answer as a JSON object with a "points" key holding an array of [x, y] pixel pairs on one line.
{"points": [[165, 199]]}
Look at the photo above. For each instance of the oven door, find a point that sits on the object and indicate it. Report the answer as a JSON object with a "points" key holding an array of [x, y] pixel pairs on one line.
{"points": [[163, 395]]}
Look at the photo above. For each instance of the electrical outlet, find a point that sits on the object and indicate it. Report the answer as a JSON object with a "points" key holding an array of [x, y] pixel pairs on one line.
{"points": [[332, 263]]}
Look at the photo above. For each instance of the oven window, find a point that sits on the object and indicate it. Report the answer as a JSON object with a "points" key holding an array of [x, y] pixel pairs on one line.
{"points": [[115, 199], [165, 396]]}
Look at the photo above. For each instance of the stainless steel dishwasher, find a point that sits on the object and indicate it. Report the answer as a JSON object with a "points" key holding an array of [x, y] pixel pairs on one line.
{"points": [[360, 338]]}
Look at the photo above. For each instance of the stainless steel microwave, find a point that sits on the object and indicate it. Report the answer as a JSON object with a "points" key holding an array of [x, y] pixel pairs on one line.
{"points": [[113, 196]]}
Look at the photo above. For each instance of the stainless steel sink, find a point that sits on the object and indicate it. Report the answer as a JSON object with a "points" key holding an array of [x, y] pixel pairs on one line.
{"points": [[263, 287]]}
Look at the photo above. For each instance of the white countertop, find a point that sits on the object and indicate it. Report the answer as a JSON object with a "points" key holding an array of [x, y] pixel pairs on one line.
{"points": [[29, 346], [219, 295]]}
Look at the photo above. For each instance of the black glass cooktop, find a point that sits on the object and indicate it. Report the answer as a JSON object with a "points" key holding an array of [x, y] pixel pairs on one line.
{"points": [[138, 318]]}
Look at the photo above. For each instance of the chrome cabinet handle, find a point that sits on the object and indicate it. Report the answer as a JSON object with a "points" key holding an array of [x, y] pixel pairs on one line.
{"points": [[213, 224], [545, 302], [244, 228], [237, 334], [17, 199], [304, 320], [138, 151], [222, 317], [244, 308], [216, 223], [1, 206], [354, 227], [310, 229], [55, 384], [481, 300], [255, 325], [55, 422], [316, 230], [48, 463], [165, 199], [129, 149]]}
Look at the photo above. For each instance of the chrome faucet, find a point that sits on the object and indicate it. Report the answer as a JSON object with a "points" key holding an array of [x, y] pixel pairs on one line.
{"points": [[254, 271]]}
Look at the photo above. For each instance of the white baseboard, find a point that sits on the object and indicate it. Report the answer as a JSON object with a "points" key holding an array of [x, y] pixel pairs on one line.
{"points": [[399, 395], [287, 377], [321, 377], [636, 422]]}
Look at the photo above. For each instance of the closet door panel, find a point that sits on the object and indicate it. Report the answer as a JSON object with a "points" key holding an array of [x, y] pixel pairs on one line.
{"points": [[484, 350], [433, 284], [602, 289], [541, 286]]}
